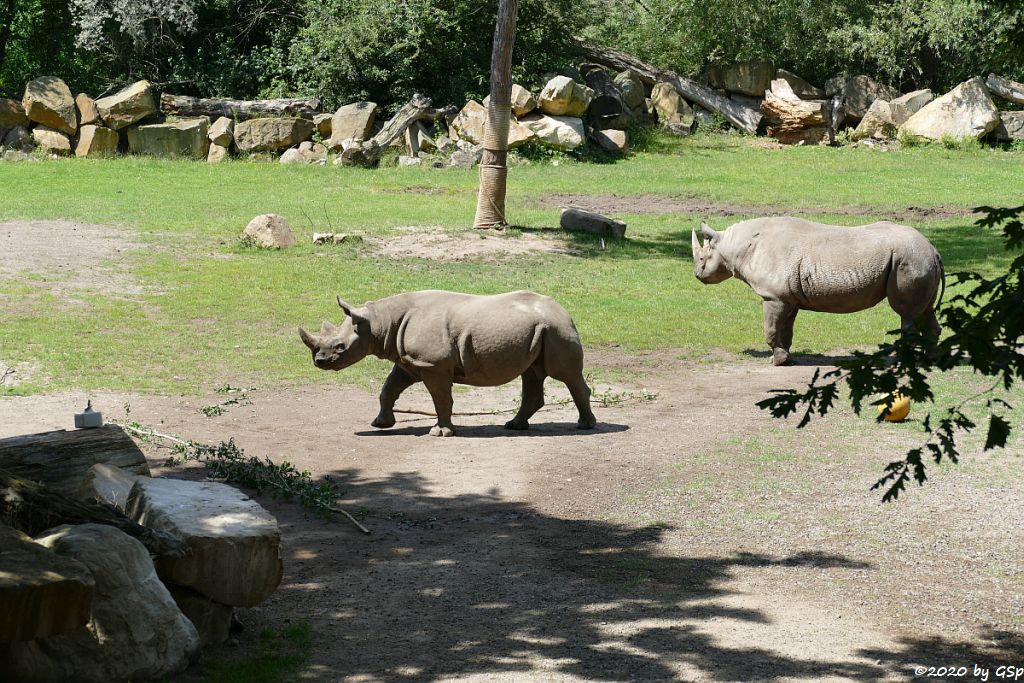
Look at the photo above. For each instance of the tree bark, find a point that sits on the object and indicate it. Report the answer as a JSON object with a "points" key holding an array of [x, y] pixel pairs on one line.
{"points": [[1005, 88], [740, 115], [60, 459], [183, 105], [34, 508], [368, 153], [490, 203], [794, 120]]}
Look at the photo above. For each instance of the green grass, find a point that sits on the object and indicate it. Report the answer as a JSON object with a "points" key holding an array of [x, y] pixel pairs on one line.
{"points": [[213, 311], [281, 657]]}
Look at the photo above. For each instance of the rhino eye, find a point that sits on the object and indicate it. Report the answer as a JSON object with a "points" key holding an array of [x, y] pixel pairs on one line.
{"points": [[339, 347]]}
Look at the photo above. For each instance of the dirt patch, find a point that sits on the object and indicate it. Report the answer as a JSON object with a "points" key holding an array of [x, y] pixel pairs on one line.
{"points": [[465, 246], [658, 204], [67, 255], [686, 538]]}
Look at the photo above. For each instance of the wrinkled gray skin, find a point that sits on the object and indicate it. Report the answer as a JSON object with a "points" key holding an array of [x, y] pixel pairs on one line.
{"points": [[794, 265], [444, 338]]}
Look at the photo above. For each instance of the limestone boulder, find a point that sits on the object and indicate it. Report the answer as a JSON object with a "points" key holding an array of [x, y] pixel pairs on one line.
{"points": [[96, 141], [135, 630], [127, 106], [611, 139], [217, 153], [41, 593], [748, 78], [271, 134], [967, 111], [632, 89], [879, 122], [211, 619], [352, 122], [48, 102], [523, 101], [88, 112], [1010, 127], [108, 484], [470, 122], [18, 139], [307, 152], [670, 107], [905, 106], [322, 125], [563, 96], [564, 133], [519, 134], [234, 545], [51, 141], [184, 138], [267, 231], [12, 114], [222, 131], [860, 91], [801, 88]]}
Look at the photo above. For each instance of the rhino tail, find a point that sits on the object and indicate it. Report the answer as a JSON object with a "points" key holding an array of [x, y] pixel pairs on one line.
{"points": [[942, 274]]}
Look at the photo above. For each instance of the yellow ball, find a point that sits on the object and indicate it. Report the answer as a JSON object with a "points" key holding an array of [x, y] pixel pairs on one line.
{"points": [[899, 408]]}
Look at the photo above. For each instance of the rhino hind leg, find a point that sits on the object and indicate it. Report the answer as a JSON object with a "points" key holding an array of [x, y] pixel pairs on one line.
{"points": [[778, 330], [532, 400], [581, 397], [397, 382]]}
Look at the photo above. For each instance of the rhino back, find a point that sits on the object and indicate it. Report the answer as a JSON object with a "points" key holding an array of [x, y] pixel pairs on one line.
{"points": [[824, 267]]}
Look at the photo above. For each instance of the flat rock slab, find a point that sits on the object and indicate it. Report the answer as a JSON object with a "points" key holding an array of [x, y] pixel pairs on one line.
{"points": [[41, 593], [234, 544]]}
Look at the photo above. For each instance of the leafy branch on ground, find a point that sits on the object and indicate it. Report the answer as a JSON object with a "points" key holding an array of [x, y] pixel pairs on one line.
{"points": [[241, 398], [985, 324], [228, 463]]}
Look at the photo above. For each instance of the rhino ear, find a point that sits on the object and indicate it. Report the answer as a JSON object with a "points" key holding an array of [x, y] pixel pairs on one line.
{"points": [[694, 243], [308, 339], [360, 320], [708, 233]]}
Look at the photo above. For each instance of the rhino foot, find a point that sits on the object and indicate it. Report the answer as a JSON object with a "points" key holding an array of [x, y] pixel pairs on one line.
{"points": [[517, 424], [438, 430], [586, 423], [781, 357], [383, 422]]}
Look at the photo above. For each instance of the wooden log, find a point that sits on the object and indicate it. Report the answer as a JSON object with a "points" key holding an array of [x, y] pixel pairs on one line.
{"points": [[183, 105], [60, 459], [368, 153], [792, 120], [33, 508], [1005, 88], [738, 114]]}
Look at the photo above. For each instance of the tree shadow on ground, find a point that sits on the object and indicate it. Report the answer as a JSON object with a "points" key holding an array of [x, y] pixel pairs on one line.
{"points": [[803, 358], [497, 430], [476, 585]]}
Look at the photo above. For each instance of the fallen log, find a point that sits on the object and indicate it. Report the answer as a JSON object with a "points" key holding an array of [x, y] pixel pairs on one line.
{"points": [[1005, 88], [368, 153], [240, 110], [60, 459], [738, 114], [792, 120], [33, 508]]}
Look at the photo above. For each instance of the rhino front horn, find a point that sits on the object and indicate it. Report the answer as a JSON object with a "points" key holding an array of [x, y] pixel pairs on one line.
{"points": [[694, 242], [307, 339]]}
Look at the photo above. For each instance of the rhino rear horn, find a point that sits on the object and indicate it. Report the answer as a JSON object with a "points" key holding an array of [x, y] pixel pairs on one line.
{"points": [[308, 339], [708, 232], [326, 327], [345, 307]]}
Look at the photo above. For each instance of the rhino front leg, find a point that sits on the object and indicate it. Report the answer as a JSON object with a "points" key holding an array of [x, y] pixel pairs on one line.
{"points": [[398, 381], [532, 401], [778, 329], [440, 389]]}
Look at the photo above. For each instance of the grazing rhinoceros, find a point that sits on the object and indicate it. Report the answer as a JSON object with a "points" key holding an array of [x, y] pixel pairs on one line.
{"points": [[795, 264], [443, 338]]}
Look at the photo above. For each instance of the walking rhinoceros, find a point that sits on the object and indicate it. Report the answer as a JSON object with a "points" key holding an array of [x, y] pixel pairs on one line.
{"points": [[795, 264], [444, 338]]}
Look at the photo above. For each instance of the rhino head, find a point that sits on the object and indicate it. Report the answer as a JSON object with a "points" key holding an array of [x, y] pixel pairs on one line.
{"points": [[339, 346], [708, 263]]}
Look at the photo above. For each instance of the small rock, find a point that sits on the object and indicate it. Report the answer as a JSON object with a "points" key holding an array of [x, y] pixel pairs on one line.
{"points": [[269, 231], [51, 141], [1010, 128], [404, 161], [322, 124], [211, 619], [222, 132], [563, 96], [217, 153], [611, 140], [88, 112]]}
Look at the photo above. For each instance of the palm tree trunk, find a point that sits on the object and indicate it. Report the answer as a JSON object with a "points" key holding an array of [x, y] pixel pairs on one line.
{"points": [[490, 205]]}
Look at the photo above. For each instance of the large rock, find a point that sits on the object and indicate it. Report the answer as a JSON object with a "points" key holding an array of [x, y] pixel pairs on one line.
{"points": [[127, 106], [470, 125], [51, 141], [269, 231], [108, 484], [748, 78], [562, 96], [322, 124], [222, 131], [271, 134], [41, 593], [211, 619], [48, 101], [18, 139], [1010, 128], [523, 101], [877, 123], [966, 111], [307, 152], [671, 108], [96, 141], [611, 139], [12, 114], [88, 112], [217, 153], [234, 545], [632, 89], [352, 122], [184, 138], [800, 87], [135, 630], [563, 133], [860, 91], [905, 106]]}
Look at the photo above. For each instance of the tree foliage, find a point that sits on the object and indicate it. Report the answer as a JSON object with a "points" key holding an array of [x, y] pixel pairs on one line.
{"points": [[985, 325]]}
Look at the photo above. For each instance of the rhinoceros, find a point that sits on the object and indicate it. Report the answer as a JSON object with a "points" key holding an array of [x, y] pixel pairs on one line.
{"points": [[444, 338], [795, 264]]}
